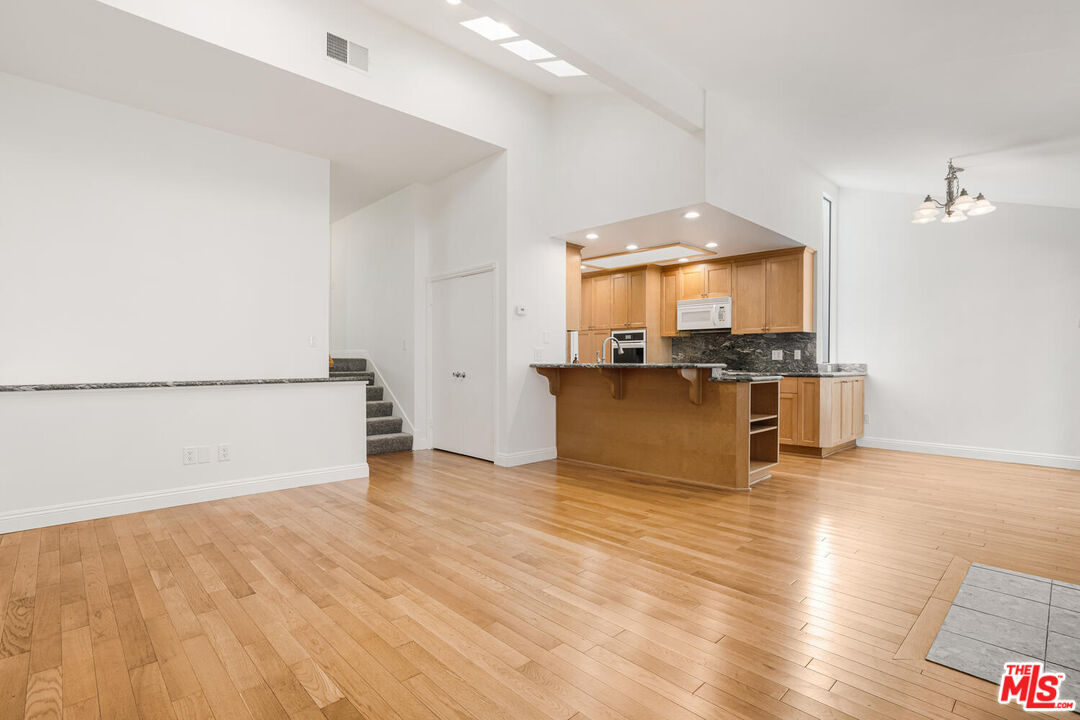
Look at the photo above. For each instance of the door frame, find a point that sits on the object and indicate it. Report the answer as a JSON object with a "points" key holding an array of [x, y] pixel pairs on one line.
{"points": [[492, 268]]}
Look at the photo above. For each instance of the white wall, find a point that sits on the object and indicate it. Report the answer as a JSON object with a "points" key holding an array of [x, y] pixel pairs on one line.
{"points": [[614, 160], [136, 247], [76, 455], [753, 171], [971, 331]]}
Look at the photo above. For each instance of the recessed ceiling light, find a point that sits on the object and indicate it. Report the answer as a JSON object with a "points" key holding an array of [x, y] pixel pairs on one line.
{"points": [[691, 214], [561, 68], [491, 29], [528, 50], [631, 247], [710, 245], [684, 259], [592, 236], [454, 2]]}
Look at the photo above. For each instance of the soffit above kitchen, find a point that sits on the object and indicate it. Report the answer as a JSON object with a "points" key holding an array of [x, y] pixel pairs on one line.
{"points": [[732, 234]]}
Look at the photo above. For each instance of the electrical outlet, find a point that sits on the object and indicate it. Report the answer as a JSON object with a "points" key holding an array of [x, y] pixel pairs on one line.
{"points": [[204, 454], [547, 337], [190, 456], [538, 354], [224, 452], [777, 354], [798, 354], [866, 419]]}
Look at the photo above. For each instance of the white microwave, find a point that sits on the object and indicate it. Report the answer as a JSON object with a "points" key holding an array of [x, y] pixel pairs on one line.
{"points": [[704, 314]]}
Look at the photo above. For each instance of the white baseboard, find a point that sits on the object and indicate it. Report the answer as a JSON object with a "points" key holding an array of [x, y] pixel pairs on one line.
{"points": [[525, 457], [124, 504], [1022, 457], [349, 354]]}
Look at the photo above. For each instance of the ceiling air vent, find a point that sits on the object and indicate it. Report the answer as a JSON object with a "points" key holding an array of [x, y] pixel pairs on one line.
{"points": [[346, 51]]}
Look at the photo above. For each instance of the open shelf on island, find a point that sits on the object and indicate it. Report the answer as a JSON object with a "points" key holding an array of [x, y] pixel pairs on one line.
{"points": [[764, 437]]}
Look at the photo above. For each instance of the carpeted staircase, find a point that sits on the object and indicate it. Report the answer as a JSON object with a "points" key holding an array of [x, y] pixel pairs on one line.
{"points": [[384, 433]]}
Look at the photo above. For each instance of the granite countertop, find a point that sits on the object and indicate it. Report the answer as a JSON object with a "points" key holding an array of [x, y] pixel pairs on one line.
{"points": [[827, 374], [174, 383], [740, 376], [632, 366]]}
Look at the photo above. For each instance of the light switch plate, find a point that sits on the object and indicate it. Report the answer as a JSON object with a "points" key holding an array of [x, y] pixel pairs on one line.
{"points": [[798, 354], [190, 456], [777, 354], [204, 454]]}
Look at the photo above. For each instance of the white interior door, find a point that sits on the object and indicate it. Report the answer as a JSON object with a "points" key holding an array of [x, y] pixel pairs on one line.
{"points": [[463, 365]]}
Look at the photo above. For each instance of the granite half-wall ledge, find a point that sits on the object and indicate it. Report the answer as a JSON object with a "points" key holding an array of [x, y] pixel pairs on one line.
{"points": [[175, 384]]}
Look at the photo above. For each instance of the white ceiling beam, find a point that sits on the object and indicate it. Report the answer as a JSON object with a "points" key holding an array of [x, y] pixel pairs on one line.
{"points": [[580, 37]]}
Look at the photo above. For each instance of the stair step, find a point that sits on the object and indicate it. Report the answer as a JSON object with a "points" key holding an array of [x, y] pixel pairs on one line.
{"points": [[374, 392], [379, 408], [383, 426], [392, 442], [350, 364], [353, 374]]}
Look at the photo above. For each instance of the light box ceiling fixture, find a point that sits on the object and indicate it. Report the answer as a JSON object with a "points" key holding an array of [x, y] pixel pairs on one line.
{"points": [[646, 256], [958, 205], [561, 68], [527, 50], [488, 28]]}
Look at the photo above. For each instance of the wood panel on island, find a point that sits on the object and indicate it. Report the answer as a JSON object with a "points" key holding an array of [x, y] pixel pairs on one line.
{"points": [[672, 422]]}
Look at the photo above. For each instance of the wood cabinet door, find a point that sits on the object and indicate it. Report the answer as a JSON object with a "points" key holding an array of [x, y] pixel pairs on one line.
{"points": [[620, 299], [718, 280], [809, 412], [635, 317], [789, 418], [836, 413], [748, 298], [669, 293], [573, 287], [602, 302], [784, 293], [692, 286], [586, 304], [858, 406], [847, 406]]}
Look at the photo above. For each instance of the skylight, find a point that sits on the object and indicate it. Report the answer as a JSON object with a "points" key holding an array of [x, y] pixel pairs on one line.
{"points": [[490, 29], [528, 50], [561, 68]]}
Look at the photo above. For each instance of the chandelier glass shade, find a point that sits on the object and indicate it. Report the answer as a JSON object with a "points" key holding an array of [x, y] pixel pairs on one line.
{"points": [[958, 205]]}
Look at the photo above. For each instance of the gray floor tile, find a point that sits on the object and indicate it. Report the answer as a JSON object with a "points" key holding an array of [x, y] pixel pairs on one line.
{"points": [[1009, 634], [973, 657], [1066, 597], [1068, 585], [1070, 689], [1011, 572], [1065, 622], [1063, 650], [1015, 608], [1037, 590]]}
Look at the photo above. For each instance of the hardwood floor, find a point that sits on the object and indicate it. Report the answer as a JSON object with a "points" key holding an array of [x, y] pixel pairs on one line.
{"points": [[449, 588]]}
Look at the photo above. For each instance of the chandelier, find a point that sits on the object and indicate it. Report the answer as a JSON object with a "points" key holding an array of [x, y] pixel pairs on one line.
{"points": [[958, 206]]}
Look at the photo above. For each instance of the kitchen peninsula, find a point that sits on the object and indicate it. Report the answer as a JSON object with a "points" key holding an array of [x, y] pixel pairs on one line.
{"points": [[691, 422]]}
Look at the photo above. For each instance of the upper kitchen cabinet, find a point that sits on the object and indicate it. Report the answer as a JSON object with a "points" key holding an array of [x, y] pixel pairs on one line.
{"points": [[669, 298], [774, 293], [573, 286], [614, 300], [704, 280], [600, 290]]}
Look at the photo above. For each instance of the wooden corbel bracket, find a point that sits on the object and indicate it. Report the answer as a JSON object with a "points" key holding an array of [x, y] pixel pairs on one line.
{"points": [[614, 377], [552, 375], [696, 378]]}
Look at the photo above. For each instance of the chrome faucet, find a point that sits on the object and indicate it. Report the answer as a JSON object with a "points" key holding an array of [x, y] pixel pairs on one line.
{"points": [[603, 348]]}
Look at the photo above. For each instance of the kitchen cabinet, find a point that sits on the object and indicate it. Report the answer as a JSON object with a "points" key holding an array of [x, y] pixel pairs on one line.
{"points": [[601, 302], [586, 303], [628, 299], [774, 293], [821, 416], [669, 298], [589, 344], [573, 287], [704, 280], [748, 301]]}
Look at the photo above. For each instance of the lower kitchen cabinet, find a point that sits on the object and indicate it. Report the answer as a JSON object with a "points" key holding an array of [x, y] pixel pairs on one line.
{"points": [[821, 416]]}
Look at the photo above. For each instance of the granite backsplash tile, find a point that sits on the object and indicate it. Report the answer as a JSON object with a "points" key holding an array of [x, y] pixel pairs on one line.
{"points": [[752, 353]]}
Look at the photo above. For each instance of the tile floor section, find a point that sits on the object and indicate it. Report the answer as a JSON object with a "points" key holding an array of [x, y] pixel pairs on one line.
{"points": [[1000, 616]]}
